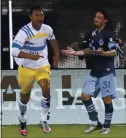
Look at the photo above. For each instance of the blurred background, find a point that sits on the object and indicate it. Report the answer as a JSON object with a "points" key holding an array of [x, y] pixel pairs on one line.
{"points": [[71, 21]]}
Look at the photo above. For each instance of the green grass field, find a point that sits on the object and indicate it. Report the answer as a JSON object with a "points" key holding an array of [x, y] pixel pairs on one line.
{"points": [[62, 131]]}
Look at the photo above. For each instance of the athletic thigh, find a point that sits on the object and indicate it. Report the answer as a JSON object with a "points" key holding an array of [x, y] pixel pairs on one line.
{"points": [[26, 79]]}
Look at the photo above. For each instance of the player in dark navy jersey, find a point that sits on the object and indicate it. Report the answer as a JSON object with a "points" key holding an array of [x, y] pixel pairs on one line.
{"points": [[102, 47], [102, 41]]}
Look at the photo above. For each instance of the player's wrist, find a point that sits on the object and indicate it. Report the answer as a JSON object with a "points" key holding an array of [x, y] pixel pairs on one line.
{"points": [[35, 57], [79, 53], [105, 53], [31, 56], [109, 54], [83, 52], [75, 53]]}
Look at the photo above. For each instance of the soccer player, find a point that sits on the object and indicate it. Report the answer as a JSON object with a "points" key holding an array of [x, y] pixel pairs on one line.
{"points": [[31, 54], [102, 76]]}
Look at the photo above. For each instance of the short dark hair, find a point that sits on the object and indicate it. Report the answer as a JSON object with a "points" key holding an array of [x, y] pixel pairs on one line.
{"points": [[104, 12], [34, 8]]}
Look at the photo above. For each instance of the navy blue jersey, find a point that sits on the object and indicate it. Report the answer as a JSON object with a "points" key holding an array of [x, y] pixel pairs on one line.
{"points": [[102, 65]]}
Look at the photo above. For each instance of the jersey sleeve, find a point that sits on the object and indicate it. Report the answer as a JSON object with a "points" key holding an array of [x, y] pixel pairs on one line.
{"points": [[112, 42], [51, 34], [18, 42]]}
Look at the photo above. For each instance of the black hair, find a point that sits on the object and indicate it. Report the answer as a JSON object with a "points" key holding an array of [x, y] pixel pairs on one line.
{"points": [[109, 21], [34, 8], [104, 12]]}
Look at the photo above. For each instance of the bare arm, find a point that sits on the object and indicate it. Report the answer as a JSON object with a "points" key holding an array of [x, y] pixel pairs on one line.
{"points": [[16, 52], [70, 51], [86, 51], [111, 53], [28, 56], [55, 51]]}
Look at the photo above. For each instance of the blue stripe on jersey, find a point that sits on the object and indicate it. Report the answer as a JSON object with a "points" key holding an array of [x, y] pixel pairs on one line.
{"points": [[111, 45], [29, 30], [25, 32], [16, 45], [34, 48], [26, 29]]}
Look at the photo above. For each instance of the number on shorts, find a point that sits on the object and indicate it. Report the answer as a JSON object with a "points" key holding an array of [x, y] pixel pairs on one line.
{"points": [[106, 84]]}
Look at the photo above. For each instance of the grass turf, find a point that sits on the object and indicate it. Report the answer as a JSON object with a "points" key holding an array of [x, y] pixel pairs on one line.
{"points": [[62, 131]]}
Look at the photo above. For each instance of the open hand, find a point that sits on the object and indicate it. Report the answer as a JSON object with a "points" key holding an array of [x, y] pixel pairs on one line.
{"points": [[68, 51]]}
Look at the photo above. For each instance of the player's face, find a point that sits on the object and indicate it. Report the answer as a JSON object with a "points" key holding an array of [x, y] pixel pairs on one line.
{"points": [[37, 17], [99, 19]]}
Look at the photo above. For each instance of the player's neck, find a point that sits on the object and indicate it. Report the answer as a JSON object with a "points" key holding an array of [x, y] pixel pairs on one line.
{"points": [[101, 28], [37, 28]]}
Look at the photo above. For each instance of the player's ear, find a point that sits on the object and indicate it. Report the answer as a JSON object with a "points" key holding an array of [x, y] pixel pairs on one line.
{"points": [[43, 14], [30, 16]]}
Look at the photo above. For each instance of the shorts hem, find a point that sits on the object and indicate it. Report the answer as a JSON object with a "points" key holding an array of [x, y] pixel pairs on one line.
{"points": [[113, 97], [43, 78], [90, 95]]}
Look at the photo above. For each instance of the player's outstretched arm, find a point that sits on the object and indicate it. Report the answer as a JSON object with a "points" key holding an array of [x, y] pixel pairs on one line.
{"points": [[55, 51], [70, 51]]}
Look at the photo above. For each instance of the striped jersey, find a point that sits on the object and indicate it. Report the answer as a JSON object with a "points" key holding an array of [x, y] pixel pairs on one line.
{"points": [[30, 41]]}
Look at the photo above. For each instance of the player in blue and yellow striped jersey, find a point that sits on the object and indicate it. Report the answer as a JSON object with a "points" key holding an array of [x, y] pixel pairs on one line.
{"points": [[31, 54]]}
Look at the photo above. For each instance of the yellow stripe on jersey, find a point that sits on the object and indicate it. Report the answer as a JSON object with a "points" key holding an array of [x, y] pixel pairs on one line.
{"points": [[38, 35]]}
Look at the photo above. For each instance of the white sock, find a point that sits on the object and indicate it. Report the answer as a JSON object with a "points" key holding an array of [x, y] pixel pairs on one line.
{"points": [[95, 123], [22, 111], [45, 104]]}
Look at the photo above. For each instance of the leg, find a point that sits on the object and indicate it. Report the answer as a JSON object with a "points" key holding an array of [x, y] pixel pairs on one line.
{"points": [[89, 105], [108, 111], [24, 75], [43, 79], [45, 87], [108, 90], [45, 100], [24, 98], [91, 88]]}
